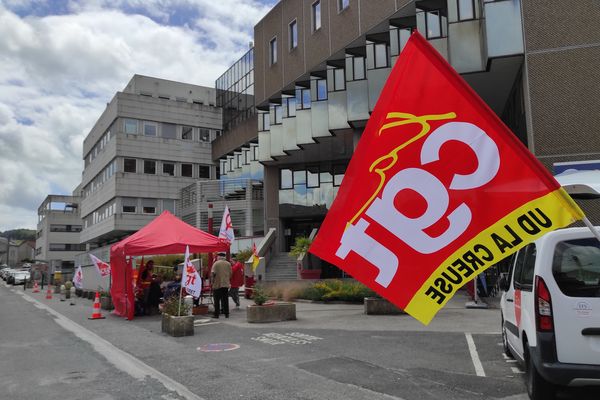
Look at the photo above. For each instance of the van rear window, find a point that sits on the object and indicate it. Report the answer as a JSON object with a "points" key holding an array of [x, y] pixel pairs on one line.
{"points": [[576, 267]]}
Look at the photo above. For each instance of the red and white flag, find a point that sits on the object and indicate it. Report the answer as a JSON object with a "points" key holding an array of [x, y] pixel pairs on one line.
{"points": [[438, 190], [78, 278], [190, 279], [102, 267], [226, 231]]}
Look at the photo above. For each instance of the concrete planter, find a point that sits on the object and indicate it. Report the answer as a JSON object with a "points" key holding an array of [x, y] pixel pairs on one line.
{"points": [[271, 313], [57, 289], [379, 306], [106, 303], [178, 326], [91, 295], [78, 292], [310, 274]]}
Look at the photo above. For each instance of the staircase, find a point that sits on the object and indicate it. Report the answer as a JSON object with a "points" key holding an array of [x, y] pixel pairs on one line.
{"points": [[282, 267]]}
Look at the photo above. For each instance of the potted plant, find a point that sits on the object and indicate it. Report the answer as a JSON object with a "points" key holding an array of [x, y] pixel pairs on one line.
{"points": [[268, 311], [176, 320], [300, 248], [68, 286]]}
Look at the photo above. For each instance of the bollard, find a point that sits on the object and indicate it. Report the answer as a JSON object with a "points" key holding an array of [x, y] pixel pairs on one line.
{"points": [[72, 302], [189, 300], [62, 292]]}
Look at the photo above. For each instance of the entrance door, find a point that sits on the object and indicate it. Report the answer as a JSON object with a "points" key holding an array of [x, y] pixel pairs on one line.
{"points": [[295, 227]]}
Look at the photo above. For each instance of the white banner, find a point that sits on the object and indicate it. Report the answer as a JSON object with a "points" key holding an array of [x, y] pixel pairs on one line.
{"points": [[190, 279]]}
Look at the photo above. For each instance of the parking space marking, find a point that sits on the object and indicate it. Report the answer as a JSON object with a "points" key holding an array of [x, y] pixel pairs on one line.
{"points": [[474, 356], [516, 370]]}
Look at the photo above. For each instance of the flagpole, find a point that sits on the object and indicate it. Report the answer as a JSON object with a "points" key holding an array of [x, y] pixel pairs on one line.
{"points": [[180, 292], [592, 228]]}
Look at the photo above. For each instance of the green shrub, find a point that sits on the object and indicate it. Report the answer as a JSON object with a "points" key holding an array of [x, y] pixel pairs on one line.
{"points": [[259, 295], [244, 255], [301, 246], [172, 306], [336, 290]]}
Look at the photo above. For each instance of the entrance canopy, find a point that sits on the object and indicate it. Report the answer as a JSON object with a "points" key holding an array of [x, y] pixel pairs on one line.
{"points": [[166, 234]]}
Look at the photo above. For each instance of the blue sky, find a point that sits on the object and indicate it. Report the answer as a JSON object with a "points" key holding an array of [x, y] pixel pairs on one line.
{"points": [[61, 61]]}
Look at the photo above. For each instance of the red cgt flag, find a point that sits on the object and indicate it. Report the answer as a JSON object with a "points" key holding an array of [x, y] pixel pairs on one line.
{"points": [[437, 191]]}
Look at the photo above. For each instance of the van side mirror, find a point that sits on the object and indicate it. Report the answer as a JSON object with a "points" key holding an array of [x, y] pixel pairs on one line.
{"points": [[504, 284]]}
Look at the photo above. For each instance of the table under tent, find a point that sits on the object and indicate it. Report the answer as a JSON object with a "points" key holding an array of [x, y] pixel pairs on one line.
{"points": [[166, 234]]}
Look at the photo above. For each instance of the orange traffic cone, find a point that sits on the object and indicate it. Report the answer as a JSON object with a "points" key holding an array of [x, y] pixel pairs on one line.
{"points": [[49, 292], [36, 288], [97, 314]]}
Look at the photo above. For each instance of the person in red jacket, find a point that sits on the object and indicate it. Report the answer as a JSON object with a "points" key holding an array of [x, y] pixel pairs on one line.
{"points": [[237, 280]]}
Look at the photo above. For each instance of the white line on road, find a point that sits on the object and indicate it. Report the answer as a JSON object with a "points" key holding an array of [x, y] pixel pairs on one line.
{"points": [[474, 356], [516, 370], [119, 358]]}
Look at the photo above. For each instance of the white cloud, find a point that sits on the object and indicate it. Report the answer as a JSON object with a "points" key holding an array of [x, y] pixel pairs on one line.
{"points": [[57, 72]]}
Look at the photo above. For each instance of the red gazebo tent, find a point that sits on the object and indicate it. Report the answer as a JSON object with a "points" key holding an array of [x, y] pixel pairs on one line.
{"points": [[166, 234]]}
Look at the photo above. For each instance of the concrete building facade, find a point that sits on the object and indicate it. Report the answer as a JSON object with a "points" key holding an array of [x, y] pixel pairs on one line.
{"points": [[153, 139], [320, 65], [59, 226]]}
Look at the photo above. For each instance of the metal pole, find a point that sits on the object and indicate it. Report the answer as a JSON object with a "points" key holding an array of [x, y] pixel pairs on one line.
{"points": [[210, 230], [592, 228]]}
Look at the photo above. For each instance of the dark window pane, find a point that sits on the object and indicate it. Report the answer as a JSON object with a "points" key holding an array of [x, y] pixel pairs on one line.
{"points": [[186, 170], [204, 171], [129, 165], [149, 167], [576, 267], [169, 169], [187, 133]]}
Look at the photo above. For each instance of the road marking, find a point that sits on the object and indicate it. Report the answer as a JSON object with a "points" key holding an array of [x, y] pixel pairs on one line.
{"points": [[474, 356], [273, 338], [122, 360], [516, 370]]}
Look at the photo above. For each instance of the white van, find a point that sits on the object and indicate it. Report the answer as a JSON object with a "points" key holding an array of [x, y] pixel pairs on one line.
{"points": [[551, 311]]}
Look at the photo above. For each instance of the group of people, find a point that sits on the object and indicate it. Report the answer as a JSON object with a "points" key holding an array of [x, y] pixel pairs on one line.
{"points": [[226, 278]]}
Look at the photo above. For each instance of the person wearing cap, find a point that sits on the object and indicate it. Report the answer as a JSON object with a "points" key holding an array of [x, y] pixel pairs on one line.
{"points": [[221, 276]]}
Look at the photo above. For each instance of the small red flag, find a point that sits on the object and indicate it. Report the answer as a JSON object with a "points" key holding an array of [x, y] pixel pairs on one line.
{"points": [[438, 190]]}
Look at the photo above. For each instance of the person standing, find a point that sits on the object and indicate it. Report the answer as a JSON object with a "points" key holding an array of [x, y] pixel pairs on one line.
{"points": [[237, 280], [221, 276]]}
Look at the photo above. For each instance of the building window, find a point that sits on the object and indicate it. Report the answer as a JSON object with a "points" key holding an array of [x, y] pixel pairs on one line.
{"points": [[149, 206], [186, 170], [434, 22], [343, 4], [129, 205], [302, 99], [169, 131], [149, 167], [130, 126], [286, 181], [187, 133], [381, 55], [316, 16], [466, 10], [293, 30], [321, 89], [278, 114], [130, 165], [339, 82], [338, 174], [168, 169], [289, 107], [355, 68], [169, 205], [312, 177], [204, 171], [273, 51], [150, 128], [204, 135], [264, 122]]}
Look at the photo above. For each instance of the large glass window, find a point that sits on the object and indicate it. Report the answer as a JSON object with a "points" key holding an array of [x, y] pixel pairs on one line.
{"points": [[273, 51], [130, 126], [343, 4], [278, 114], [187, 133], [286, 181], [149, 167], [129, 204], [168, 168], [204, 135], [186, 170], [204, 171], [169, 131], [293, 31], [576, 267], [338, 174], [129, 165], [339, 82], [316, 15], [321, 89], [302, 99], [466, 10], [435, 23], [312, 177], [358, 64], [150, 128], [381, 55]]}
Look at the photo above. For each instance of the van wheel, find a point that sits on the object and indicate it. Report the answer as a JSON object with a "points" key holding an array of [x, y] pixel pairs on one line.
{"points": [[537, 387], [505, 347]]}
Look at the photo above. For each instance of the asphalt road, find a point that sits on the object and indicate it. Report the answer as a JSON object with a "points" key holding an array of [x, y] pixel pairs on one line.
{"points": [[50, 350]]}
